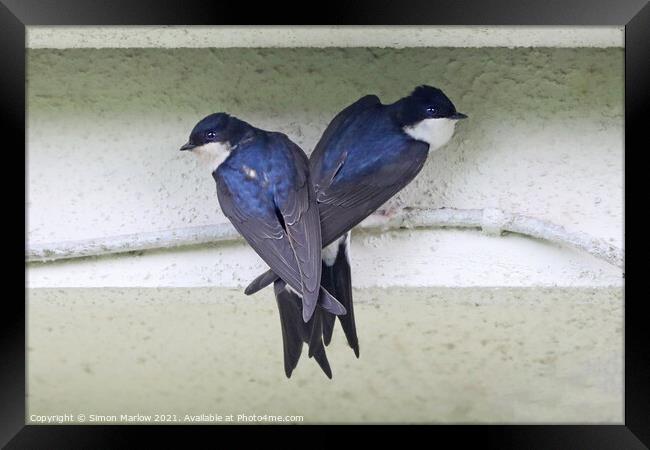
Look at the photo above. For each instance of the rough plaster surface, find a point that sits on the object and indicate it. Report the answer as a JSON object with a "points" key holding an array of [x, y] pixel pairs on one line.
{"points": [[436, 355], [322, 36], [544, 138]]}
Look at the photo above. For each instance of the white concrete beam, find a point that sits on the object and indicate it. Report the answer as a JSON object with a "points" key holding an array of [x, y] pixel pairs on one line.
{"points": [[321, 36]]}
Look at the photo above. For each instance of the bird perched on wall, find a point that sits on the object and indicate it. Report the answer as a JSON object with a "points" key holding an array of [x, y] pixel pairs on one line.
{"points": [[368, 153], [264, 188]]}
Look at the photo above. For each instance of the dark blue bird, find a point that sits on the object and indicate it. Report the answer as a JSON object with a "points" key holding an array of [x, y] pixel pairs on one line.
{"points": [[264, 189], [367, 154]]}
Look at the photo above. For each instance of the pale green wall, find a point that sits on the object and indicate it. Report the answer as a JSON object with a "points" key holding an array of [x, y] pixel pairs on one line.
{"points": [[434, 355]]}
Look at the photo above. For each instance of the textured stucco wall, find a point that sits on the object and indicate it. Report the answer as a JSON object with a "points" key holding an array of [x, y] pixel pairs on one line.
{"points": [[427, 355], [544, 138]]}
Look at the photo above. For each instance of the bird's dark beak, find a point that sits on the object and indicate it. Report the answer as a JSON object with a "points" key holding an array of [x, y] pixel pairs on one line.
{"points": [[458, 116], [187, 146]]}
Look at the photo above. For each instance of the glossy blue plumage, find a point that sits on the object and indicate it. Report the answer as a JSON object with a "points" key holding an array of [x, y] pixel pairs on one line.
{"points": [[371, 141], [275, 175], [264, 190]]}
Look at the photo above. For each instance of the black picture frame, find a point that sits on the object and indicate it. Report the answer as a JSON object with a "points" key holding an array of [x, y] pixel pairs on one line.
{"points": [[15, 15]]}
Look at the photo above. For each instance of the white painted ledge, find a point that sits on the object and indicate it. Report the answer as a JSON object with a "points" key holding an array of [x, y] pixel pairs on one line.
{"points": [[321, 36], [491, 221], [461, 257]]}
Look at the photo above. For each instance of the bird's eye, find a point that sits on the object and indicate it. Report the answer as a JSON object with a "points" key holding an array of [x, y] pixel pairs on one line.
{"points": [[210, 135], [431, 110]]}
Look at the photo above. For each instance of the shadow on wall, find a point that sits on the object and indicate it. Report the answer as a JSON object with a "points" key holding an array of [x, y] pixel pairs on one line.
{"points": [[541, 83]]}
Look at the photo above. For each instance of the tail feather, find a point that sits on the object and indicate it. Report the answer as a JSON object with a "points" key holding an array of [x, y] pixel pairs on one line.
{"points": [[260, 282], [290, 318], [316, 347], [295, 331], [316, 332], [321, 358], [328, 321], [337, 279], [330, 304]]}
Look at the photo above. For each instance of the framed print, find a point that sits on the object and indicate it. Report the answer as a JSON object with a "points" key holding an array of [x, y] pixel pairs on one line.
{"points": [[462, 173]]}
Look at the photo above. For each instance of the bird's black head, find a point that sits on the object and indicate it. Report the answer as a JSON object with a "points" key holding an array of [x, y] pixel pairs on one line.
{"points": [[428, 102], [427, 115], [213, 128], [215, 137]]}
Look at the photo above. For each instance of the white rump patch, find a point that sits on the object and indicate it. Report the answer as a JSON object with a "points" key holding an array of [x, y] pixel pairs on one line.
{"points": [[212, 154], [435, 132], [347, 246], [330, 252]]}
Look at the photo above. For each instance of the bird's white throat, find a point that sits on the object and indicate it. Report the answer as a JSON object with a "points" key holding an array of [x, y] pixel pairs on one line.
{"points": [[212, 154], [435, 132]]}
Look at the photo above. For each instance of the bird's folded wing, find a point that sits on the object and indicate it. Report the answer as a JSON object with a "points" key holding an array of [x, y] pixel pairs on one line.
{"points": [[290, 244], [267, 237], [345, 203], [302, 221], [339, 122]]}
